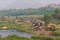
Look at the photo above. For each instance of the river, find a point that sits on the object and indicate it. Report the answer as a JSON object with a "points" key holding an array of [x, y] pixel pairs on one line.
{"points": [[5, 33]]}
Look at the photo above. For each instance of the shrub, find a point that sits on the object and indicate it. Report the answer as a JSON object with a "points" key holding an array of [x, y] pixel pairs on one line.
{"points": [[56, 33], [44, 37]]}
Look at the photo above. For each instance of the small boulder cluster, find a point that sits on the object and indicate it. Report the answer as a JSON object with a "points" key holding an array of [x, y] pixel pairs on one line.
{"points": [[38, 25], [41, 26]]}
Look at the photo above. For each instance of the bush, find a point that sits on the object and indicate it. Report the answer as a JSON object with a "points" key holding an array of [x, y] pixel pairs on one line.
{"points": [[56, 33], [44, 37], [14, 37], [41, 37]]}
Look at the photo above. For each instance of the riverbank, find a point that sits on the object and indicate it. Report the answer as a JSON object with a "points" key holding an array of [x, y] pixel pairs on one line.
{"points": [[40, 37], [5, 33], [14, 37]]}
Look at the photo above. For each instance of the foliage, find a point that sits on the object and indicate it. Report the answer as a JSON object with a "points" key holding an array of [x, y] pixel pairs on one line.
{"points": [[31, 11], [56, 33], [57, 13], [47, 17], [14, 37], [44, 37]]}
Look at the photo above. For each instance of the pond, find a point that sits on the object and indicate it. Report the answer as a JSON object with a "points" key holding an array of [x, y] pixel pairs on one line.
{"points": [[5, 33]]}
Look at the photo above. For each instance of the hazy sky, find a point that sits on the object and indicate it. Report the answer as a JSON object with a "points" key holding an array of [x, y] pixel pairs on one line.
{"points": [[5, 4]]}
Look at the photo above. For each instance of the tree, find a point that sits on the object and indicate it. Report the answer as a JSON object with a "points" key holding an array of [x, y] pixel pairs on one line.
{"points": [[57, 13], [47, 18]]}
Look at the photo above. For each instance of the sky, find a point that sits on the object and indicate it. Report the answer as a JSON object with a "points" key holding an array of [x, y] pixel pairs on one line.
{"points": [[22, 4]]}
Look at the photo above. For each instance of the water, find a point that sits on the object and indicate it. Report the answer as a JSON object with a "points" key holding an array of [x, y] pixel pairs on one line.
{"points": [[5, 33]]}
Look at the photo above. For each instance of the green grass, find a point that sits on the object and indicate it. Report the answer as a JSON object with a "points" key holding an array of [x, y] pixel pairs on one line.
{"points": [[26, 27], [56, 33], [40, 37], [44, 37]]}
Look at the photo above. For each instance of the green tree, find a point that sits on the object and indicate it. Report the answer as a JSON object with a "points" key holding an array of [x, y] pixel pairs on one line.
{"points": [[57, 13], [47, 18]]}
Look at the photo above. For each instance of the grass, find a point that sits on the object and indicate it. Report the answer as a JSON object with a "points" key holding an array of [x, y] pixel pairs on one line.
{"points": [[40, 37], [26, 27], [56, 33], [44, 37]]}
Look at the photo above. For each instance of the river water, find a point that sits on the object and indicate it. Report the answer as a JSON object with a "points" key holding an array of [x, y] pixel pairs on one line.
{"points": [[5, 33]]}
